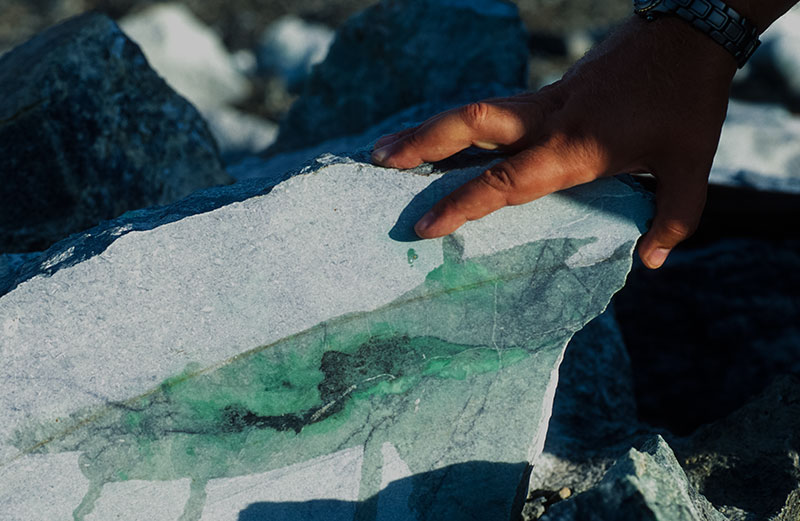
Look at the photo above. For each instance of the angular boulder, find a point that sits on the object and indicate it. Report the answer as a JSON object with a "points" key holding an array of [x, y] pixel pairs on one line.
{"points": [[88, 131], [298, 355], [747, 464], [644, 485], [400, 53]]}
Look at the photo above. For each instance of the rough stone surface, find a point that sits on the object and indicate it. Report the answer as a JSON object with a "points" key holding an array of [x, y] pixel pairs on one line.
{"points": [[187, 54], [399, 53], [646, 484], [297, 353], [748, 464], [88, 131]]}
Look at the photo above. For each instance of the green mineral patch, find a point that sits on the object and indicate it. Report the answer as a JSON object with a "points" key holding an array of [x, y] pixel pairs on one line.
{"points": [[312, 393], [412, 256]]}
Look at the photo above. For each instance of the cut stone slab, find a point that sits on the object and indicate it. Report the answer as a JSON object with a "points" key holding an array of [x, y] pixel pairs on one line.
{"points": [[302, 328], [644, 485], [88, 131], [396, 54]]}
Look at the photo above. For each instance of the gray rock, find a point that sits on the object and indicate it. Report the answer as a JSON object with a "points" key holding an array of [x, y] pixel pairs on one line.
{"points": [[88, 131], [290, 47], [747, 464], [297, 355], [400, 53], [187, 54], [645, 484]]}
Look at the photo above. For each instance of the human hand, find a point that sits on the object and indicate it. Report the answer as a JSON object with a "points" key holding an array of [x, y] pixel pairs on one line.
{"points": [[651, 98]]}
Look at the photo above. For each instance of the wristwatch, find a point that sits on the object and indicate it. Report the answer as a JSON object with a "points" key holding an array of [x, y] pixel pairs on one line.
{"points": [[734, 32]]}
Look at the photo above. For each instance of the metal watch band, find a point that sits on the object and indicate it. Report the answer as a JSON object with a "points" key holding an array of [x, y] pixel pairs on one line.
{"points": [[715, 18]]}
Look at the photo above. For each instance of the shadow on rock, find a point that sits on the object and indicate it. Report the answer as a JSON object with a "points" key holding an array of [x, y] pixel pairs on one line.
{"points": [[458, 489]]}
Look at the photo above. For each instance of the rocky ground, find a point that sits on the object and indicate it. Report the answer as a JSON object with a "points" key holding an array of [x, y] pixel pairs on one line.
{"points": [[703, 352]]}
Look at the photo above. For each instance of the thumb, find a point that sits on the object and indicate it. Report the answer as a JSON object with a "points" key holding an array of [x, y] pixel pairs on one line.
{"points": [[679, 206]]}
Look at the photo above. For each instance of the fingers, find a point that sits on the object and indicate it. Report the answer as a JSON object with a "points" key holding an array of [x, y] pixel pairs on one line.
{"points": [[679, 205], [520, 179], [482, 124]]}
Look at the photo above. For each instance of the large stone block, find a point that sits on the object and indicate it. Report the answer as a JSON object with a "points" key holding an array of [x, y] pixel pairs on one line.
{"points": [[298, 354], [87, 131], [400, 53]]}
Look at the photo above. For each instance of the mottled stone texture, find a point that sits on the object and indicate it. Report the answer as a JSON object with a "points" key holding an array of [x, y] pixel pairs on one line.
{"points": [[747, 464], [88, 131], [644, 485], [403, 52]]}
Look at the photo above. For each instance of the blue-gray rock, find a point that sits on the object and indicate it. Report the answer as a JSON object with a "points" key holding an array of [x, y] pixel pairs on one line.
{"points": [[644, 485], [292, 352], [88, 131], [259, 167], [401, 53]]}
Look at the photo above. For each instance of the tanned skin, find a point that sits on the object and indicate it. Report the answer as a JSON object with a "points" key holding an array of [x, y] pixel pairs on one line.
{"points": [[650, 98]]}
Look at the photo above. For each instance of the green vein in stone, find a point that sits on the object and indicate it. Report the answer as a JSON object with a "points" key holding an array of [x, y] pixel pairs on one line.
{"points": [[243, 415]]}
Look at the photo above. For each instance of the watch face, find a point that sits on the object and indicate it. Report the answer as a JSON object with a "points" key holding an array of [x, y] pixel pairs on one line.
{"points": [[644, 5]]}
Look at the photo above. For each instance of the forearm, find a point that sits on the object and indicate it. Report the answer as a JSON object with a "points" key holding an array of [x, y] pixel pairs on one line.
{"points": [[761, 12]]}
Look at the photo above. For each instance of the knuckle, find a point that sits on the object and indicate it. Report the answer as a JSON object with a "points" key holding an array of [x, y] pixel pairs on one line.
{"points": [[501, 177], [475, 114], [677, 230]]}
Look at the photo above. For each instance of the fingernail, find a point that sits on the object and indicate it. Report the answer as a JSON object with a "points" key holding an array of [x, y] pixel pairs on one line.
{"points": [[380, 155], [658, 257], [424, 223]]}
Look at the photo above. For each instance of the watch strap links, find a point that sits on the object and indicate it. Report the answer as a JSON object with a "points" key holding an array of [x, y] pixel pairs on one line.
{"points": [[718, 20]]}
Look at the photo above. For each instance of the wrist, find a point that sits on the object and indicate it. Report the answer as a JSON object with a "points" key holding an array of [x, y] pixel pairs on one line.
{"points": [[679, 45]]}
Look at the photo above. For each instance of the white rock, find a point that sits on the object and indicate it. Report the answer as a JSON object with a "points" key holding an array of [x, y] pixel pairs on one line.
{"points": [[759, 148], [189, 55], [291, 46]]}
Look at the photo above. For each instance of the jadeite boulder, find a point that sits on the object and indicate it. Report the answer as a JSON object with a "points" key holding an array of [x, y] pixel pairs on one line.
{"points": [[297, 354]]}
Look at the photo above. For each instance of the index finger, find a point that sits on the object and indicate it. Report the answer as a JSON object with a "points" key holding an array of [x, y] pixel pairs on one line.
{"points": [[485, 124]]}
